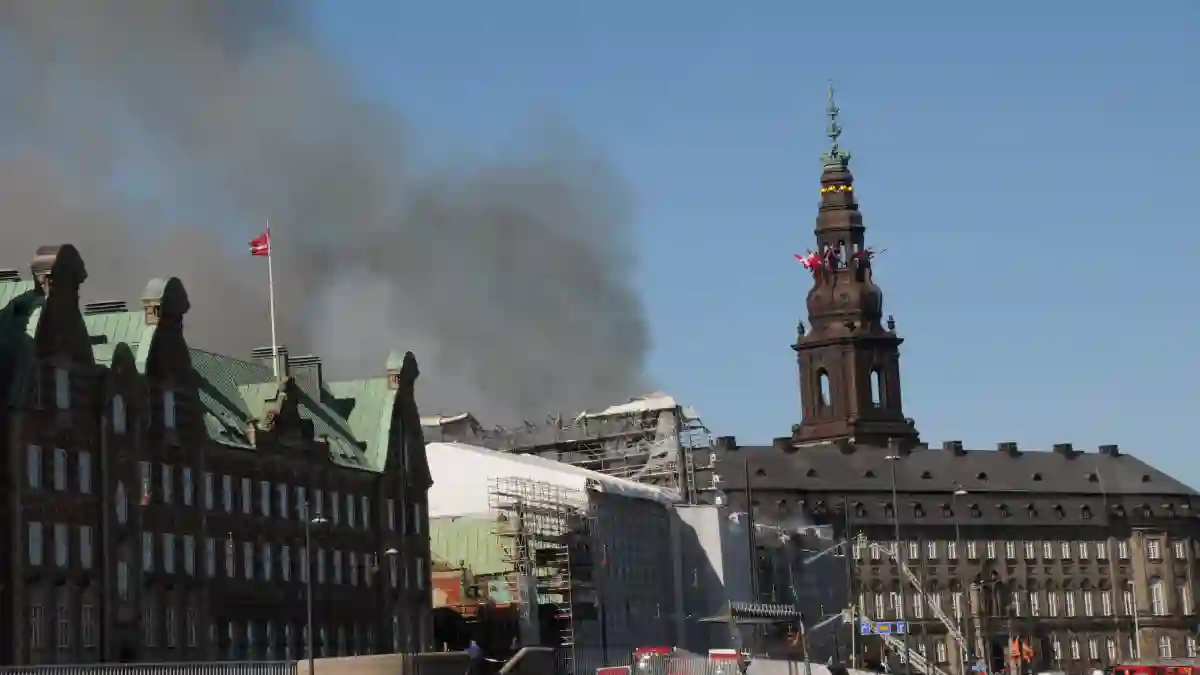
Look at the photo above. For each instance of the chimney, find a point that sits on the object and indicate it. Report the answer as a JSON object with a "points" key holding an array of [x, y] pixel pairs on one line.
{"points": [[1110, 450], [1009, 448], [263, 356], [112, 307], [897, 447], [954, 446], [308, 373], [10, 275], [726, 443], [1065, 449], [782, 444], [922, 445]]}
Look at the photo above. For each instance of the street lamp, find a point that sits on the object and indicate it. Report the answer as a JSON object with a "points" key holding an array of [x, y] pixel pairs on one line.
{"points": [[892, 459], [962, 656], [308, 583]]}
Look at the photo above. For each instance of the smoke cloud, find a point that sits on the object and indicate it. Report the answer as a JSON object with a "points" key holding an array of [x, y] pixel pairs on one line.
{"points": [[159, 135]]}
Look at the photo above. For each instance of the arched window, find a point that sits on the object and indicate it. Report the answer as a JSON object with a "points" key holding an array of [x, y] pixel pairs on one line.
{"points": [[876, 387], [1158, 597], [118, 414], [1164, 646], [823, 388]]}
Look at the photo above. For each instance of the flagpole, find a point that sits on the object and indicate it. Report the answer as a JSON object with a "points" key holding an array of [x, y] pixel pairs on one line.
{"points": [[271, 299]]}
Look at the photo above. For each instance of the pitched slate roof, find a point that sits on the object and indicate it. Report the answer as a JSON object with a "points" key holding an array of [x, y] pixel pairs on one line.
{"points": [[828, 467]]}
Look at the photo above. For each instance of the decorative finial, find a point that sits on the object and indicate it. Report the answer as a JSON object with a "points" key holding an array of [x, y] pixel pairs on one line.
{"points": [[837, 156], [800, 330]]}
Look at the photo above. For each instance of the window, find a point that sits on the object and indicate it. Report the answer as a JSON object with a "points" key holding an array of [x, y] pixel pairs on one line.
{"points": [[394, 571], [1183, 597], [1066, 550], [1093, 649], [352, 563], [1127, 599], [918, 606], [264, 497], [1179, 549], [957, 599], [320, 566], [1056, 648], [318, 502], [391, 515], [84, 473], [62, 544], [86, 547], [931, 549], [1089, 608], [1106, 605], [304, 565], [62, 388], [337, 567], [1010, 549], [1158, 597], [33, 466], [63, 619], [419, 569], [118, 414], [191, 628], [366, 513], [168, 402], [1016, 603], [1102, 550], [972, 551], [144, 470], [267, 567], [147, 552], [35, 627], [1075, 653], [914, 550], [301, 502], [875, 553], [1035, 605], [1123, 550], [1052, 603], [1030, 550], [418, 517], [939, 652], [229, 561], [209, 490], [285, 562], [122, 580], [879, 605], [60, 470], [1110, 646], [168, 483], [333, 508], [247, 496], [282, 491], [1153, 549], [1083, 550], [1164, 647], [991, 550], [210, 557], [1190, 646], [87, 626], [189, 555], [189, 487], [169, 626], [227, 493], [248, 559], [1070, 598], [121, 503], [168, 554], [952, 550], [36, 545], [350, 510], [149, 635]]}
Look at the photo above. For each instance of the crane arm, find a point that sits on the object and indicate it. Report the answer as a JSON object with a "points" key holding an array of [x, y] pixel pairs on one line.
{"points": [[917, 659], [934, 607]]}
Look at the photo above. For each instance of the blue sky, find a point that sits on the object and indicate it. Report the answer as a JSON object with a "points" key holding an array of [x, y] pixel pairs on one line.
{"points": [[1031, 168]]}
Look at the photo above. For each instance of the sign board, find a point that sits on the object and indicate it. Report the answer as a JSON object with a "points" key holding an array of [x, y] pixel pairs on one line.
{"points": [[883, 627], [613, 670]]}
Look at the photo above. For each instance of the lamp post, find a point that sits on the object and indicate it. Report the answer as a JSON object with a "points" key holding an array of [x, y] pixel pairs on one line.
{"points": [[892, 459], [308, 584], [962, 652]]}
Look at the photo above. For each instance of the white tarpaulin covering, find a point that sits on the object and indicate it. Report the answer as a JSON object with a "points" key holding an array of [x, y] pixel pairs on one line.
{"points": [[463, 473]]}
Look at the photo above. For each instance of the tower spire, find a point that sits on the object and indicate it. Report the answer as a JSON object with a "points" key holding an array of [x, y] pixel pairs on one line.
{"points": [[836, 156], [849, 359]]}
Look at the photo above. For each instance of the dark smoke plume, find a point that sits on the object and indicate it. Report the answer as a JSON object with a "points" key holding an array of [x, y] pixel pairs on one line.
{"points": [[159, 135]]}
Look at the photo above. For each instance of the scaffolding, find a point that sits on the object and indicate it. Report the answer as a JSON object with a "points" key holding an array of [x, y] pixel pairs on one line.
{"points": [[650, 440], [545, 533]]}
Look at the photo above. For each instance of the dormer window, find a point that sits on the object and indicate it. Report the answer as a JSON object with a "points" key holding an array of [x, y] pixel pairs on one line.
{"points": [[1086, 512], [1059, 512], [1004, 511], [1093, 478], [869, 474], [860, 511], [118, 414], [62, 388], [976, 512], [168, 402], [888, 510], [918, 510], [947, 512], [1037, 476], [981, 476], [1032, 509], [925, 475], [812, 473]]}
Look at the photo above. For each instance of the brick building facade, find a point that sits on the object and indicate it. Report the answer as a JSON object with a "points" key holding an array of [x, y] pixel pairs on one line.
{"points": [[156, 495]]}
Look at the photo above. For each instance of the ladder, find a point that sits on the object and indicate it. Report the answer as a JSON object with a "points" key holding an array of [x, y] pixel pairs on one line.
{"points": [[938, 614], [915, 657]]}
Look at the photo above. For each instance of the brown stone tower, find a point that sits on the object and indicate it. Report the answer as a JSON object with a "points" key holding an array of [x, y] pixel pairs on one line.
{"points": [[849, 360]]}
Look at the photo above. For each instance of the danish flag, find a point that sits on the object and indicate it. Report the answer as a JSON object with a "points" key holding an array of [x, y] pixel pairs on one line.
{"points": [[261, 245]]}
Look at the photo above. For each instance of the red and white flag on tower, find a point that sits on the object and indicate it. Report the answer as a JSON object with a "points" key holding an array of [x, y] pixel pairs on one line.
{"points": [[261, 246]]}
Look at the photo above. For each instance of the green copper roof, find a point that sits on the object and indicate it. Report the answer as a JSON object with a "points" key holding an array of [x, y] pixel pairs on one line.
{"points": [[20, 311]]}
